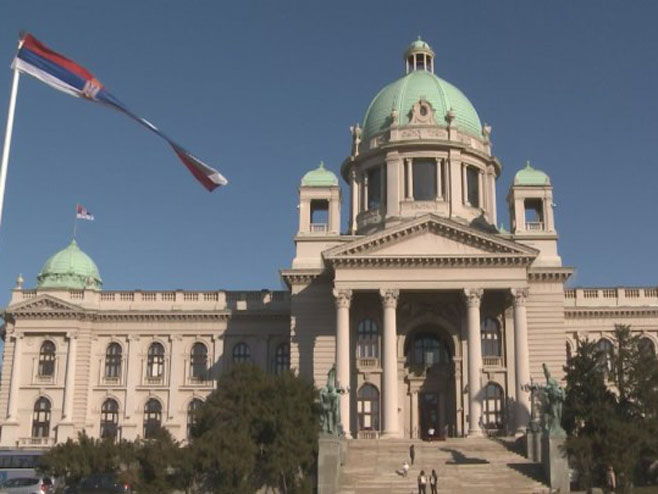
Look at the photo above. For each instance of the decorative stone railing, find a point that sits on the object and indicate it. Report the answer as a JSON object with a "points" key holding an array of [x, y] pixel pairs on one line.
{"points": [[607, 297], [492, 361], [368, 435], [36, 442], [534, 226], [319, 228], [163, 300], [367, 363]]}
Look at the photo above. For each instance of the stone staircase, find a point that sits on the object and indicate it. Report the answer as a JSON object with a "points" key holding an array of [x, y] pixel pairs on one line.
{"points": [[479, 465]]}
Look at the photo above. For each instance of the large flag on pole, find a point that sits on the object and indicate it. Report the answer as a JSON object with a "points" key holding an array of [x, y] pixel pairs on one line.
{"points": [[38, 60]]}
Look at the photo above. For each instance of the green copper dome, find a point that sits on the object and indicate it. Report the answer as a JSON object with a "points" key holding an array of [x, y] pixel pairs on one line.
{"points": [[531, 176], [320, 177], [403, 94], [69, 268]]}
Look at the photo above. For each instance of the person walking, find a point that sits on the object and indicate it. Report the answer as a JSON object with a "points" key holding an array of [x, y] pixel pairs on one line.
{"points": [[433, 481], [405, 468], [412, 453], [422, 483]]}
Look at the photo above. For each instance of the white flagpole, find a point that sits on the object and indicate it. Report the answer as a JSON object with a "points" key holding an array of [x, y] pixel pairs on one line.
{"points": [[7, 145]]}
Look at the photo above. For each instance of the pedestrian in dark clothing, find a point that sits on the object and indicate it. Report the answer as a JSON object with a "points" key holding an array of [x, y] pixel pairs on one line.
{"points": [[412, 453], [433, 481]]}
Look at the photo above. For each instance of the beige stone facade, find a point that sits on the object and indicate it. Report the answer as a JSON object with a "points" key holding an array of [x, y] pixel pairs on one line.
{"points": [[435, 318]]}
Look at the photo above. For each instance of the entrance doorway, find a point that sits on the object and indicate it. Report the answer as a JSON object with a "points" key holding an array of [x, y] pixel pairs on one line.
{"points": [[430, 425]]}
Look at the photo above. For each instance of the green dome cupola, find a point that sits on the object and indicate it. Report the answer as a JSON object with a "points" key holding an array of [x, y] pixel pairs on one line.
{"points": [[320, 177], [420, 83], [69, 268], [531, 176]]}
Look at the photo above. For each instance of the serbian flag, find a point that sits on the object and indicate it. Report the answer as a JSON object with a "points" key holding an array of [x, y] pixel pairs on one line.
{"points": [[83, 214], [38, 60]]}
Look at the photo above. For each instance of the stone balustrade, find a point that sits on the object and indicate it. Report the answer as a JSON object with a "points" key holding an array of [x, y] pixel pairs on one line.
{"points": [[611, 297]]}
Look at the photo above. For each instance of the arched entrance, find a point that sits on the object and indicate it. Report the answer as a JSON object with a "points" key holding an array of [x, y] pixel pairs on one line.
{"points": [[430, 378]]}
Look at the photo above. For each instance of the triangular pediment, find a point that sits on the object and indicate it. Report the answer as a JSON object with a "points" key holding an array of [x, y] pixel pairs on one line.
{"points": [[43, 304], [431, 237]]}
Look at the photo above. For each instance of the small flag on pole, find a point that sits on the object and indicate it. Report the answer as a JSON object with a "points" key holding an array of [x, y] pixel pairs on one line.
{"points": [[82, 214], [48, 66]]}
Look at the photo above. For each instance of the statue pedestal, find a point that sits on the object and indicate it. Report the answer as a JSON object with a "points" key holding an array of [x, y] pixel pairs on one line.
{"points": [[332, 452], [554, 459], [533, 445]]}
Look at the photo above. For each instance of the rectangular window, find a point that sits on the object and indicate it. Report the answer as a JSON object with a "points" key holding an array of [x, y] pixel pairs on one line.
{"points": [[319, 215], [374, 187], [424, 172], [473, 186]]}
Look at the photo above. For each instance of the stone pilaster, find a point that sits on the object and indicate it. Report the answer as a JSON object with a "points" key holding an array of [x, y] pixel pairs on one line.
{"points": [[69, 382], [343, 299], [473, 299], [390, 364], [12, 408]]}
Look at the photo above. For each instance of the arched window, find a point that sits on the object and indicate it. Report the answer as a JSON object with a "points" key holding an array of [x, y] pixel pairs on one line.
{"points": [[605, 348], [155, 361], [113, 360], [491, 338], [241, 353], [41, 418], [426, 350], [282, 358], [47, 359], [192, 410], [152, 418], [109, 419], [646, 347], [492, 413], [367, 345], [199, 361], [367, 406]]}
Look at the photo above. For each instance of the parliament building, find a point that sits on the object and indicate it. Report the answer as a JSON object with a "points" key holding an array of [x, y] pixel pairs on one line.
{"points": [[435, 317]]}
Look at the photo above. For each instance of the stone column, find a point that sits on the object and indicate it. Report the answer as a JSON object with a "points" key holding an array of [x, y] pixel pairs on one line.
{"points": [[69, 383], [521, 358], [355, 201], [390, 364], [415, 426], [464, 185], [473, 298], [15, 376], [176, 374], [343, 299], [439, 178]]}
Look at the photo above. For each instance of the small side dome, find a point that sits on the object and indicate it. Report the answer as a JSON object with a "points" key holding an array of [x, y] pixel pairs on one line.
{"points": [[70, 268], [320, 177], [531, 176], [418, 46]]}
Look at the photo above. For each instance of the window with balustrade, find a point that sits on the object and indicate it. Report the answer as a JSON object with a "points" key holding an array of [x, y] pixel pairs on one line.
{"points": [[113, 360], [367, 405], [155, 361], [534, 213], [367, 340], [199, 361], [241, 353], [606, 352], [282, 358], [152, 418], [192, 411], [319, 215], [41, 418], [110, 419], [491, 338], [492, 411], [47, 359]]}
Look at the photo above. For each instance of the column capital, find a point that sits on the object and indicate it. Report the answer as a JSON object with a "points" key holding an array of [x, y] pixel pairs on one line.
{"points": [[343, 298], [473, 296], [519, 296], [353, 174], [390, 297]]}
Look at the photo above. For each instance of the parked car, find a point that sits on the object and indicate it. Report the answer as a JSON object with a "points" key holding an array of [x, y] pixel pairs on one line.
{"points": [[100, 483], [28, 485]]}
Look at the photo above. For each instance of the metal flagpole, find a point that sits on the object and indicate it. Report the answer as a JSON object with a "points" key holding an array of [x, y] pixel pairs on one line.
{"points": [[75, 221], [7, 145]]}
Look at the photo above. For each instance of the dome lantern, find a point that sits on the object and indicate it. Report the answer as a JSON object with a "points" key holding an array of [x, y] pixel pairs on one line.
{"points": [[419, 56]]}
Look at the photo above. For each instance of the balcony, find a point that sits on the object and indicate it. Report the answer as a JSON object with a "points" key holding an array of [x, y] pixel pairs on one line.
{"points": [[492, 361], [319, 228], [367, 363], [368, 435], [534, 226], [36, 442]]}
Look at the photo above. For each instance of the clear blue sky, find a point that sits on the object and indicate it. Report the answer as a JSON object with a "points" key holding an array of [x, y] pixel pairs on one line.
{"points": [[265, 90]]}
